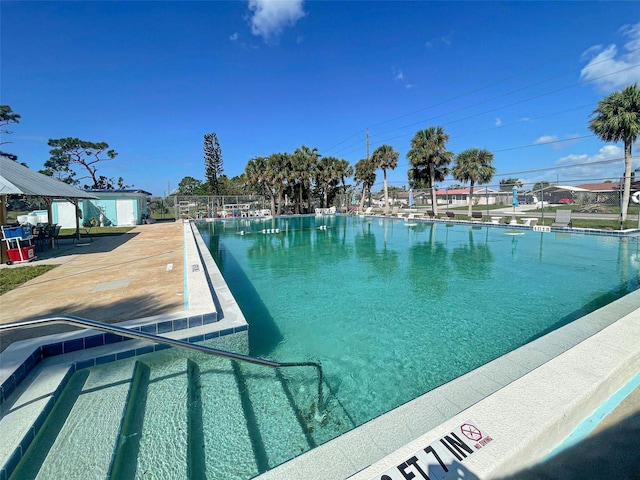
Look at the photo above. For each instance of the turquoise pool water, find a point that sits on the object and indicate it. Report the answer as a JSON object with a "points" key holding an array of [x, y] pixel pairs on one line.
{"points": [[393, 310]]}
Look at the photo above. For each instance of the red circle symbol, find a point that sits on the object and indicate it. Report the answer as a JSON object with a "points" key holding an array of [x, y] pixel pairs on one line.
{"points": [[471, 432]]}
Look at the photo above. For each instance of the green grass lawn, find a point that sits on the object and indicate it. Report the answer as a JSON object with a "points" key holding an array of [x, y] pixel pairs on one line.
{"points": [[11, 278]]}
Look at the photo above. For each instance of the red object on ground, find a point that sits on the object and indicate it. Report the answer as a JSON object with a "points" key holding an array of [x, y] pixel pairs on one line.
{"points": [[28, 253]]}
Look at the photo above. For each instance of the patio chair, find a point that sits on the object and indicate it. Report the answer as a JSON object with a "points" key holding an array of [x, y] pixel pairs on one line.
{"points": [[41, 236], [476, 216], [55, 236], [367, 211], [563, 218], [450, 215]]}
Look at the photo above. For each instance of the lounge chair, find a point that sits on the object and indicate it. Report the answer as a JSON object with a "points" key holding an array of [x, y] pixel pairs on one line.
{"points": [[476, 216], [394, 211], [563, 218], [367, 211], [430, 215], [450, 215]]}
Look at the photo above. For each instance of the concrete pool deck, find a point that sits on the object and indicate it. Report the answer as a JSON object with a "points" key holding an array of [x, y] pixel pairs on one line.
{"points": [[111, 279], [115, 279]]}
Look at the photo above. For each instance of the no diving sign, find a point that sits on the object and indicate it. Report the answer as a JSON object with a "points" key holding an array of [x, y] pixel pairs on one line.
{"points": [[438, 459]]}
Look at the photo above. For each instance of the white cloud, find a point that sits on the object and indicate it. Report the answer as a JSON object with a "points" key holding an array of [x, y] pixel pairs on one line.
{"points": [[269, 17], [398, 76], [611, 73], [233, 37], [556, 143], [498, 122], [608, 152], [607, 163], [546, 139], [443, 39]]}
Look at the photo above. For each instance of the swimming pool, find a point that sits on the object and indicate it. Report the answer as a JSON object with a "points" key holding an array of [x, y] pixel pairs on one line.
{"points": [[393, 311], [341, 290]]}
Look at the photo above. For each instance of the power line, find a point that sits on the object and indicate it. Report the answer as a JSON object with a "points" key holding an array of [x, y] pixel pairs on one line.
{"points": [[484, 101]]}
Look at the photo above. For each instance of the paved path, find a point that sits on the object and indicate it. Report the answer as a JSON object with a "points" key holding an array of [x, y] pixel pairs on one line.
{"points": [[111, 279]]}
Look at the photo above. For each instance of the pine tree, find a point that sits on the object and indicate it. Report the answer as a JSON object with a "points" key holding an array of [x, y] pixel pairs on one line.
{"points": [[212, 162]]}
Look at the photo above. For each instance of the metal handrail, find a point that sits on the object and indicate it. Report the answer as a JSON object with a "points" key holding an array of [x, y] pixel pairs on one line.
{"points": [[126, 332]]}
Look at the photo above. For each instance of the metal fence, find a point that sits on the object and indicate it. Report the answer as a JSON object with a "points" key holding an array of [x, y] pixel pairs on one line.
{"points": [[595, 197], [195, 206], [599, 196]]}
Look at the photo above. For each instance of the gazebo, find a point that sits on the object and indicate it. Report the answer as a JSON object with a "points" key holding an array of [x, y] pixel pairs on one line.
{"points": [[16, 179]]}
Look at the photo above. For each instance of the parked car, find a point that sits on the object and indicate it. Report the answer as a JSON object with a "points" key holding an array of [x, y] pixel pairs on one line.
{"points": [[526, 199], [566, 201]]}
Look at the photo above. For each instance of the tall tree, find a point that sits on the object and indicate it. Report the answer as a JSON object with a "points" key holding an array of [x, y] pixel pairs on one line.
{"points": [[303, 168], [69, 151], [386, 158], [474, 166], [344, 170], [255, 174], [189, 186], [506, 184], [617, 118], [429, 159], [278, 172], [538, 186], [7, 117], [365, 174], [212, 162], [327, 178]]}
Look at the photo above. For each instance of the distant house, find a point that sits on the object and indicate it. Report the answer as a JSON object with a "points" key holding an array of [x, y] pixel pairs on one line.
{"points": [[112, 208], [481, 195]]}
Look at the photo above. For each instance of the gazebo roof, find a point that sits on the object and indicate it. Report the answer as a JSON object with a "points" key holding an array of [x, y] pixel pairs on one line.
{"points": [[16, 179]]}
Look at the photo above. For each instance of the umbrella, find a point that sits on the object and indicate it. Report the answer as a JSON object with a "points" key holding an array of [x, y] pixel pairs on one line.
{"points": [[411, 197], [514, 200]]}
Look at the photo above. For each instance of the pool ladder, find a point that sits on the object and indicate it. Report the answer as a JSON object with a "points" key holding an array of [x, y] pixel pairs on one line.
{"points": [[126, 332]]}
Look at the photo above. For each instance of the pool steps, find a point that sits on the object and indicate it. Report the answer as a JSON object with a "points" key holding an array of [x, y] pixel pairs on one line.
{"points": [[125, 456], [88, 399], [205, 407]]}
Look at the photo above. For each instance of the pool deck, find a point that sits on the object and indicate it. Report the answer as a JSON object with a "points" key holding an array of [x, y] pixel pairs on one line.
{"points": [[111, 279], [142, 274]]}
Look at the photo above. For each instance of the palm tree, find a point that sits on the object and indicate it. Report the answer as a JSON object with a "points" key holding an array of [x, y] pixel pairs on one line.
{"points": [[327, 177], [278, 173], [385, 157], [256, 177], [616, 118], [344, 170], [429, 159], [473, 166], [304, 163], [365, 174]]}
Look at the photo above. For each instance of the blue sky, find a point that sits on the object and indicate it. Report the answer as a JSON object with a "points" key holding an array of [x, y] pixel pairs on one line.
{"points": [[151, 78]]}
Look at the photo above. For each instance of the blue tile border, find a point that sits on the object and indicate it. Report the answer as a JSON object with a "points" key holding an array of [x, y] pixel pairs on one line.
{"points": [[83, 343]]}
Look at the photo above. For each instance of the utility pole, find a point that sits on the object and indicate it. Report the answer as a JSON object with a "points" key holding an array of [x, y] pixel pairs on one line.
{"points": [[367, 144]]}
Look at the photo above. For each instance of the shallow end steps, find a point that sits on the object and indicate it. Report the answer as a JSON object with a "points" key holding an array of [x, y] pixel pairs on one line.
{"points": [[125, 456]]}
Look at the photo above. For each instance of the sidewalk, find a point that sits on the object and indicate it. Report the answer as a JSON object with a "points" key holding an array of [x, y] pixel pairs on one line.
{"points": [[112, 279]]}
